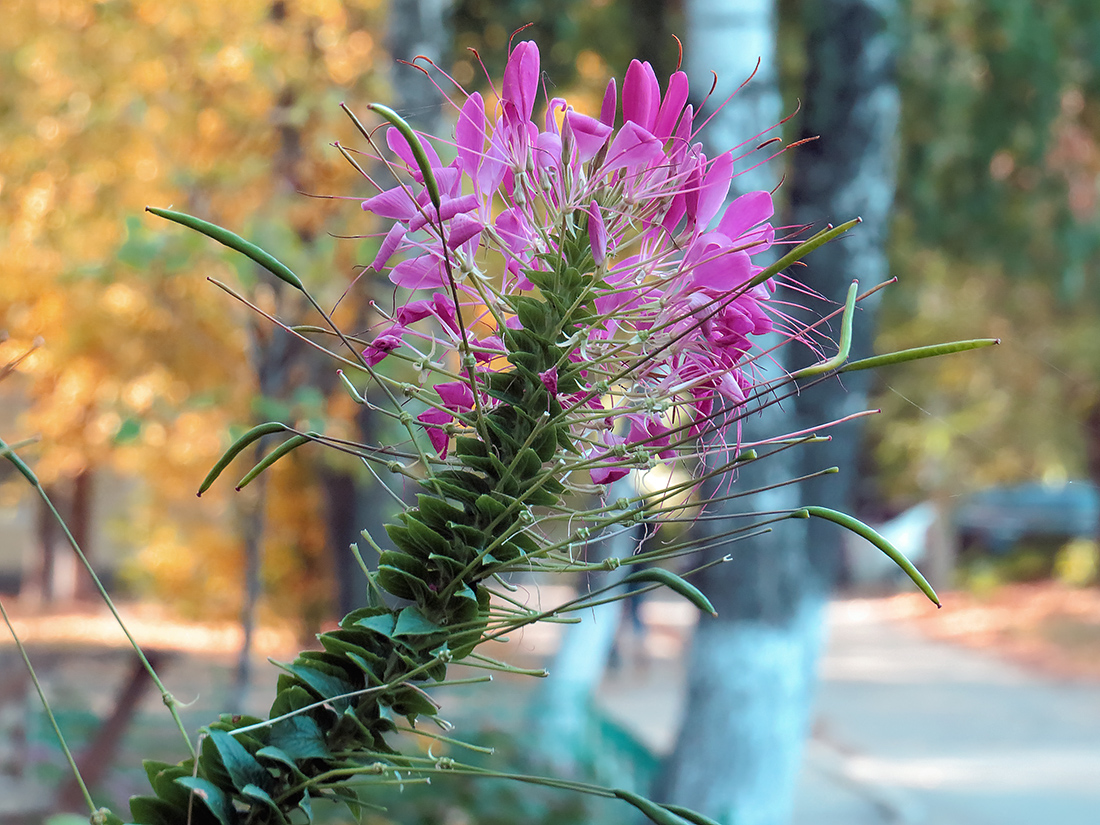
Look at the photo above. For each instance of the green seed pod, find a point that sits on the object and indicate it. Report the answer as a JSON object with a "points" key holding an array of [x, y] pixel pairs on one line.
{"points": [[255, 433], [917, 353], [844, 345], [233, 241], [417, 147], [864, 531], [275, 455], [659, 575]]}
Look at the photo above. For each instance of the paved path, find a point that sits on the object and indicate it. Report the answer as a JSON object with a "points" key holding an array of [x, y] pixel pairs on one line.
{"points": [[910, 731]]}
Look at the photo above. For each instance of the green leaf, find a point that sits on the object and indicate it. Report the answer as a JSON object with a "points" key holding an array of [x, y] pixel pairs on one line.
{"points": [[411, 622], [436, 512], [151, 810], [300, 738], [242, 766], [424, 536], [306, 806], [275, 754], [213, 797], [262, 796], [291, 699], [381, 624], [163, 782], [325, 685]]}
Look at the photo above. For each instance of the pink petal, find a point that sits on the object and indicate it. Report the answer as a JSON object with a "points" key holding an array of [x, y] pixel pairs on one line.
{"points": [[388, 246], [589, 134], [413, 312], [456, 395], [610, 104], [395, 204], [400, 147], [470, 135], [383, 345], [428, 419], [716, 185], [746, 212], [521, 78], [632, 147], [463, 227], [444, 309], [549, 380], [597, 233], [419, 273], [671, 106], [641, 95]]}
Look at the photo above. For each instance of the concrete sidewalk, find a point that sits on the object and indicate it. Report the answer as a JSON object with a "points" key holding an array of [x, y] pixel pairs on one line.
{"points": [[907, 730], [910, 730]]}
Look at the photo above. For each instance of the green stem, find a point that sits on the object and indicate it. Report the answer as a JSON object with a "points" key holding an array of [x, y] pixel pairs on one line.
{"points": [[49, 712]]}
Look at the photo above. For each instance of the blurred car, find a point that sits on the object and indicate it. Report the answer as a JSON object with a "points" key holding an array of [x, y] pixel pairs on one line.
{"points": [[998, 518]]}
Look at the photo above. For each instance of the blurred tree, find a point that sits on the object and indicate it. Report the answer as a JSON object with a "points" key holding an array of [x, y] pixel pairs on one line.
{"points": [[996, 234], [222, 110], [752, 670]]}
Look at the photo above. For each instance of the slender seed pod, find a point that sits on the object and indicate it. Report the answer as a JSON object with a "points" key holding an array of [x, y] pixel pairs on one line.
{"points": [[845, 344], [864, 531], [678, 585], [658, 814], [234, 242], [257, 432], [917, 353], [275, 455]]}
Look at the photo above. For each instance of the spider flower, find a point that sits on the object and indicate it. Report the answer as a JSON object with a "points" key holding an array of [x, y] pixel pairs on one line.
{"points": [[662, 346]]}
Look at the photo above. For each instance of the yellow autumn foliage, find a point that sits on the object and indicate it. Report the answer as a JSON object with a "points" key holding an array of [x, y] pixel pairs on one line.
{"points": [[221, 109]]}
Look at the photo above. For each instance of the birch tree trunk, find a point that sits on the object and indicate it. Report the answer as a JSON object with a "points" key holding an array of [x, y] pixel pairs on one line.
{"points": [[752, 670], [851, 102]]}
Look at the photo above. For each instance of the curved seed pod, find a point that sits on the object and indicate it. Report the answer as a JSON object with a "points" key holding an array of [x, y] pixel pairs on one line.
{"points": [[844, 345], [255, 433], [869, 533], [659, 575], [233, 241], [413, 140], [275, 455], [917, 353]]}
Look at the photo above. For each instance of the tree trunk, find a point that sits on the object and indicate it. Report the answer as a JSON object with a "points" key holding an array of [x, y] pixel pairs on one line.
{"points": [[851, 103], [752, 670], [418, 27], [737, 755], [80, 524]]}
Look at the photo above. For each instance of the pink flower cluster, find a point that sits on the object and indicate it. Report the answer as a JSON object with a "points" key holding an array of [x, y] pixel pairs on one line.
{"points": [[673, 340]]}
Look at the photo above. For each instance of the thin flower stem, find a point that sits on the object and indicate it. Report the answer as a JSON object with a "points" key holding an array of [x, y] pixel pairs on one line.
{"points": [[169, 700], [49, 712]]}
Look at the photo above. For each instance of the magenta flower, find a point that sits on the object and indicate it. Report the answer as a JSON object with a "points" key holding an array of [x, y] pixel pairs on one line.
{"points": [[669, 345]]}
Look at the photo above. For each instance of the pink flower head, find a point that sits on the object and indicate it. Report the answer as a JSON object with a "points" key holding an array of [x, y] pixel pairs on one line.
{"points": [[666, 333]]}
